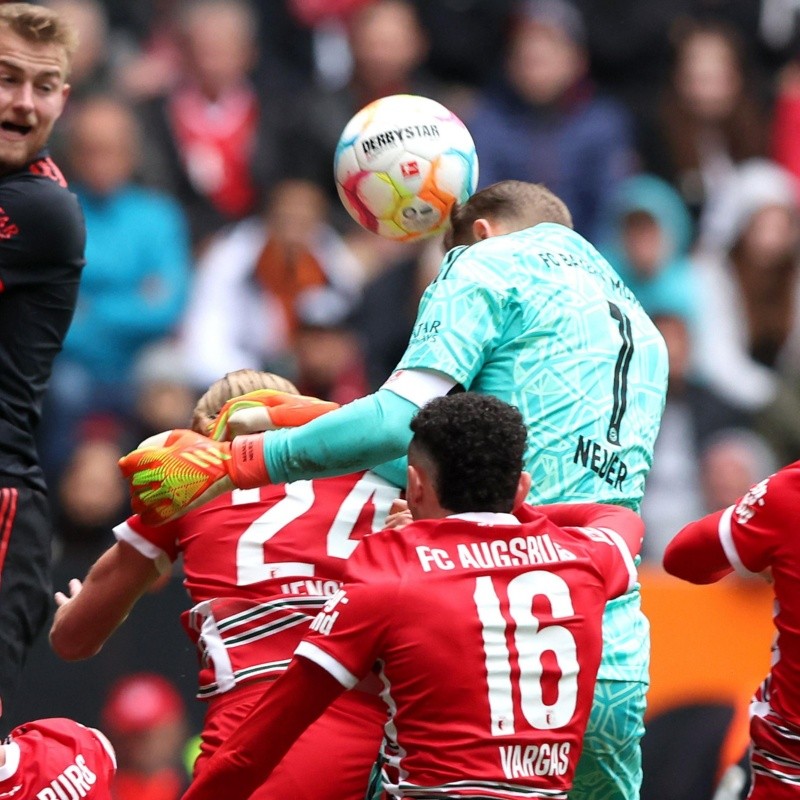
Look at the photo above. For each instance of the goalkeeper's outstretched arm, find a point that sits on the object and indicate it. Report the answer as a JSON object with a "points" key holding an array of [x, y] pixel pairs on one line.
{"points": [[360, 435], [167, 481]]}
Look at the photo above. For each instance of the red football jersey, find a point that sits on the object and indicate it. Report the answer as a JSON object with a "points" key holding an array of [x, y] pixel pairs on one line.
{"points": [[761, 532], [260, 564], [56, 759], [488, 637]]}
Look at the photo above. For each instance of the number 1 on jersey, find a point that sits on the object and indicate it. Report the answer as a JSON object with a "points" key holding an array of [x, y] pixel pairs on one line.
{"points": [[620, 373]]}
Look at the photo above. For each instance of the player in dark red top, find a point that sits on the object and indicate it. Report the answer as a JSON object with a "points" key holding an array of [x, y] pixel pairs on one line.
{"points": [[259, 564], [54, 759], [42, 238], [759, 535], [486, 631]]}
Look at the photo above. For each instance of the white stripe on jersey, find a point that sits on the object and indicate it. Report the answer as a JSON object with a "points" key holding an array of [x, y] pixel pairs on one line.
{"points": [[256, 670], [107, 746], [11, 766], [613, 538], [489, 790], [624, 550], [213, 648], [418, 386], [728, 545], [262, 631], [124, 533], [328, 663], [315, 602], [217, 637]]}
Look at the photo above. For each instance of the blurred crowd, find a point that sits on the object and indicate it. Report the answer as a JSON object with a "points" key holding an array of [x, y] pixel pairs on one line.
{"points": [[200, 135]]}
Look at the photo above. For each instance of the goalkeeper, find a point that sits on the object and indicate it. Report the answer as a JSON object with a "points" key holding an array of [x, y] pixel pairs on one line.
{"points": [[527, 310]]}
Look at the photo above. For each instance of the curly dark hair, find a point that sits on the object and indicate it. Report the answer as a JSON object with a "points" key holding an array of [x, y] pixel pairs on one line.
{"points": [[520, 203], [475, 444]]}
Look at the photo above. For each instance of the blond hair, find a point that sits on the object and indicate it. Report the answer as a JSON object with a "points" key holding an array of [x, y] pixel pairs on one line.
{"points": [[40, 25], [232, 385]]}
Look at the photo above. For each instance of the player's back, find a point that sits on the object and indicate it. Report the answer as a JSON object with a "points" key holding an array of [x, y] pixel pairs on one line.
{"points": [[489, 644], [260, 563], [53, 759], [575, 352]]}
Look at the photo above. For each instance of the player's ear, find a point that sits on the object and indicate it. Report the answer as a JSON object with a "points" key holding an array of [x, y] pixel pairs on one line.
{"points": [[523, 487], [415, 489], [482, 229]]}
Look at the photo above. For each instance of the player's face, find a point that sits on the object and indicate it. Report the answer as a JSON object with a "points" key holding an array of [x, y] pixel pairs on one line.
{"points": [[32, 97]]}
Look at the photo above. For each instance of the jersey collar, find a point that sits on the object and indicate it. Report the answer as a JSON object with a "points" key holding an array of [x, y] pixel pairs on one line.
{"points": [[487, 518]]}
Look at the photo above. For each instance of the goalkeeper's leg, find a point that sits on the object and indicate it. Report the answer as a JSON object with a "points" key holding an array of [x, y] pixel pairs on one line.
{"points": [[610, 767]]}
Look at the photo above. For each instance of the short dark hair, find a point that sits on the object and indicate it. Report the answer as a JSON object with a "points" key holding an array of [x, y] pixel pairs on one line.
{"points": [[476, 445], [520, 203]]}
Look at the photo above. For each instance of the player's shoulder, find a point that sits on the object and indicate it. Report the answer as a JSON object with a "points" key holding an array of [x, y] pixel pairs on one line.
{"points": [[389, 552], [778, 493], [37, 183], [38, 207], [60, 729]]}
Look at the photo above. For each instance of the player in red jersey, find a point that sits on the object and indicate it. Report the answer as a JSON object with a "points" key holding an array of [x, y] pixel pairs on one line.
{"points": [[259, 565], [756, 535], [54, 759], [486, 630]]}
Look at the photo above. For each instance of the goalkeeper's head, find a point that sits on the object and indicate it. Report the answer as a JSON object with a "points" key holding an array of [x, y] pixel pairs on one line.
{"points": [[504, 207], [466, 455], [233, 385]]}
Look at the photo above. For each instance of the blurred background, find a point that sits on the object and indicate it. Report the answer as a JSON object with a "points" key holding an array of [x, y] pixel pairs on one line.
{"points": [[200, 138]]}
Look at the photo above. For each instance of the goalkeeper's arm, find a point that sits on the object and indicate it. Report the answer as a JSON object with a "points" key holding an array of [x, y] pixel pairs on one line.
{"points": [[360, 435], [168, 481], [357, 436]]}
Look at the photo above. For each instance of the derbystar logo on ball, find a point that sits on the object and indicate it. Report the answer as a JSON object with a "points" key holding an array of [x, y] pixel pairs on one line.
{"points": [[402, 163]]}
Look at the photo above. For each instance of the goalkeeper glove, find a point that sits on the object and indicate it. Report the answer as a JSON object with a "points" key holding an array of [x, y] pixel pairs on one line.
{"points": [[189, 470], [266, 410]]}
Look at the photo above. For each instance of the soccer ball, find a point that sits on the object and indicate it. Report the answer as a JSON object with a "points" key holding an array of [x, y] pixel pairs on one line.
{"points": [[400, 165]]}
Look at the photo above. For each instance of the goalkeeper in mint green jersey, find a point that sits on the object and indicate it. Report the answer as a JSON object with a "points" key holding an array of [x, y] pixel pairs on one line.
{"points": [[527, 310]]}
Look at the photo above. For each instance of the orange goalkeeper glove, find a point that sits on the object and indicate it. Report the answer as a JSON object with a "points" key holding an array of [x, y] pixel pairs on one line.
{"points": [[189, 470], [266, 410]]}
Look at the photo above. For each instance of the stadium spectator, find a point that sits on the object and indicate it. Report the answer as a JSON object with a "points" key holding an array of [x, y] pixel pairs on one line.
{"points": [[163, 393], [42, 238], [145, 719], [397, 276], [53, 758], [268, 561], [388, 48], [544, 121], [92, 67], [136, 279], [693, 415], [785, 123], [526, 309], [243, 305], [466, 39], [211, 137], [452, 731], [710, 117], [328, 359], [90, 498], [731, 461], [748, 321], [757, 535], [647, 238]]}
